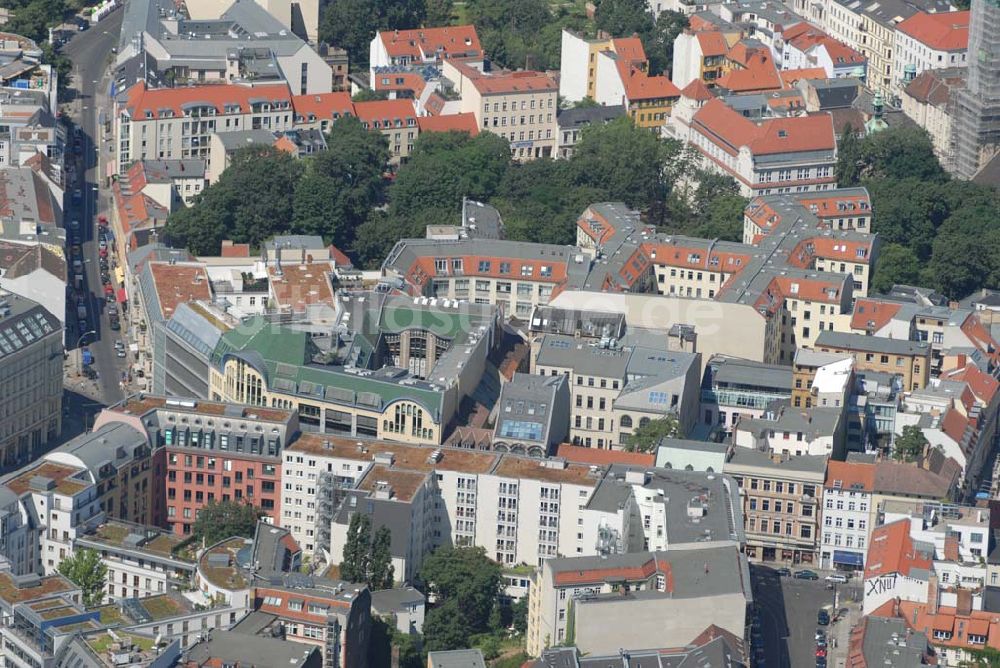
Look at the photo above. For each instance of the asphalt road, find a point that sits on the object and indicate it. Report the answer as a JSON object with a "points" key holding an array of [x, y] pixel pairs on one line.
{"points": [[90, 52], [787, 608]]}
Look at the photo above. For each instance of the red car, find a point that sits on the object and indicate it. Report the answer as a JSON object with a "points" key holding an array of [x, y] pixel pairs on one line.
{"points": [[108, 290], [103, 252], [821, 651], [102, 221]]}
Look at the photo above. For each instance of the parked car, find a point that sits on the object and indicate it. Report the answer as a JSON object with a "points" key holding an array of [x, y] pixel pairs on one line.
{"points": [[839, 578], [821, 652], [805, 575], [823, 618], [121, 354], [115, 324], [784, 572], [102, 221], [820, 635]]}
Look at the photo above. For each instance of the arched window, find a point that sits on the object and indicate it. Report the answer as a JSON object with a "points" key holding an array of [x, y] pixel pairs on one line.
{"points": [[626, 421], [643, 422]]}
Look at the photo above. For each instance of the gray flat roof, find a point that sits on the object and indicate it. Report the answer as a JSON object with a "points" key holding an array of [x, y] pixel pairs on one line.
{"points": [[679, 489], [873, 344], [804, 463], [456, 658], [242, 648], [732, 371]]}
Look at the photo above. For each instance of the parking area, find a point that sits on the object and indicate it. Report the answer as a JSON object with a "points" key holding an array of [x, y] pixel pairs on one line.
{"points": [[787, 611]]}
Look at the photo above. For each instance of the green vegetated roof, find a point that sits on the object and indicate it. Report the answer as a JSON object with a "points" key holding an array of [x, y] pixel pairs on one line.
{"points": [[440, 323], [286, 352]]}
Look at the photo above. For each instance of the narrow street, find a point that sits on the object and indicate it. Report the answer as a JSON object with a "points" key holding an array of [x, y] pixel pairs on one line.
{"points": [[91, 54]]}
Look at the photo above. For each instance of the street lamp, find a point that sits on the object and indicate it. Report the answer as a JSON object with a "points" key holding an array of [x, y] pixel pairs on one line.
{"points": [[78, 342]]}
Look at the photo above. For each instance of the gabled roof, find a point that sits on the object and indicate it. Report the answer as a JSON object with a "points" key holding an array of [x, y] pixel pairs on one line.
{"points": [[892, 550], [640, 86], [450, 122], [874, 313], [448, 41], [376, 111], [629, 49], [697, 90], [982, 385], [322, 106], [712, 42], [940, 31], [850, 476], [143, 102], [770, 136]]}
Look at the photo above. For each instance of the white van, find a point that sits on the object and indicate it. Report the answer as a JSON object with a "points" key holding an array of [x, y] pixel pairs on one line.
{"points": [[839, 578]]}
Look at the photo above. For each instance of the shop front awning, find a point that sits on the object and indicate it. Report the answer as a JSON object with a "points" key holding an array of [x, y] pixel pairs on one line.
{"points": [[848, 558]]}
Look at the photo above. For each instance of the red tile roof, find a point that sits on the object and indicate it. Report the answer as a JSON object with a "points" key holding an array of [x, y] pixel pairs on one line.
{"points": [[790, 77], [449, 41], [983, 385], [399, 81], [230, 249], [143, 102], [713, 43], [850, 476], [640, 86], [954, 424], [920, 617], [697, 90], [629, 49], [381, 111], [325, 106], [449, 122], [758, 74], [599, 575], [794, 134], [892, 551], [941, 31], [873, 312]]}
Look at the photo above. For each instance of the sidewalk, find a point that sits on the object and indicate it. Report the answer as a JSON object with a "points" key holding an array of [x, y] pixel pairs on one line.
{"points": [[839, 633]]}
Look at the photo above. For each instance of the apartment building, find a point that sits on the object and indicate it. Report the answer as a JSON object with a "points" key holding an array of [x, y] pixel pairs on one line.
{"points": [[208, 451], [141, 560], [37, 271], [106, 473], [636, 508], [572, 123], [165, 44], [733, 389], [927, 41], [615, 389], [605, 604], [423, 46], [871, 30], [519, 106], [331, 616], [521, 510], [578, 62], [773, 155], [31, 379], [849, 515], [806, 46], [533, 415], [177, 123], [700, 55], [781, 499], [909, 359], [396, 120], [925, 100]]}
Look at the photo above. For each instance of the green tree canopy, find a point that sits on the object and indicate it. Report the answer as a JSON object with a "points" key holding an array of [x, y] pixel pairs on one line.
{"points": [[910, 444], [466, 584], [367, 556], [352, 24], [251, 202], [647, 437], [85, 569], [341, 184], [219, 520], [621, 18], [897, 265]]}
